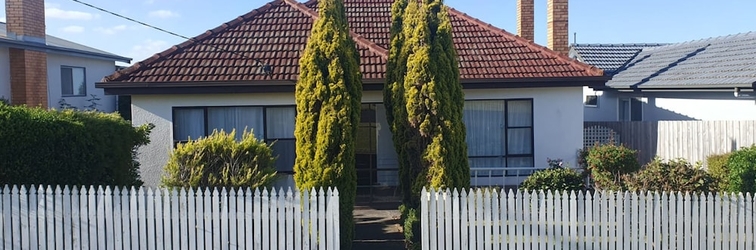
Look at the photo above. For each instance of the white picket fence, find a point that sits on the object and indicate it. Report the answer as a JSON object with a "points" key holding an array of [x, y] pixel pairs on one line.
{"points": [[603, 220], [145, 218]]}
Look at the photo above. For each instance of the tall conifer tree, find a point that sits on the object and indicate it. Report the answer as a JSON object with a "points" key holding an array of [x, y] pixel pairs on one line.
{"points": [[424, 104], [328, 96]]}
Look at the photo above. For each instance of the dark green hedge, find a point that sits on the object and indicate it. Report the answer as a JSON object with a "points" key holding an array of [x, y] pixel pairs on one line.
{"points": [[742, 170], [555, 179], [49, 147]]}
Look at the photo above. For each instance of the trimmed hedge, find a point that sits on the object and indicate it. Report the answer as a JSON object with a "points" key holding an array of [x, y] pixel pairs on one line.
{"points": [[556, 179], [717, 168], [49, 147], [742, 167], [220, 161], [609, 163], [671, 176]]}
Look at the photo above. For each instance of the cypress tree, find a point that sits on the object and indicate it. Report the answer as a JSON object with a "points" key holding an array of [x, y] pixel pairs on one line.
{"points": [[424, 104], [328, 96]]}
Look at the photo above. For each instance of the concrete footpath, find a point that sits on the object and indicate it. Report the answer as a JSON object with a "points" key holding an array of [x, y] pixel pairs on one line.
{"points": [[377, 226]]}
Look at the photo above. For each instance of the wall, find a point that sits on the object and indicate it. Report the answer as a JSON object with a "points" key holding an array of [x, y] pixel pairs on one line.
{"points": [[5, 74], [675, 107], [558, 121], [95, 70], [658, 109]]}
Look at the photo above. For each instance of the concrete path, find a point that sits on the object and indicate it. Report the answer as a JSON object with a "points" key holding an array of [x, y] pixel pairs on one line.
{"points": [[377, 226]]}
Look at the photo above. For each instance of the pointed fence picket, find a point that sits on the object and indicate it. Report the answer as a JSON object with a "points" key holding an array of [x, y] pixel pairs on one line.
{"points": [[482, 219], [38, 217]]}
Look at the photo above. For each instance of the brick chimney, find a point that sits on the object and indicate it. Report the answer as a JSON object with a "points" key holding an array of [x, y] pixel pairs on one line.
{"points": [[526, 19], [557, 22], [25, 21]]}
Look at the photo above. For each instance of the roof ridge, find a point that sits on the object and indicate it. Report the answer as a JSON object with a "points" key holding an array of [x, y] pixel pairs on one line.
{"points": [[191, 41], [531, 44], [618, 44], [373, 47]]}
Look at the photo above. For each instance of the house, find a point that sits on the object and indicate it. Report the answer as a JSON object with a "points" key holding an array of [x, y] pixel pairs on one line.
{"points": [[524, 101], [39, 69], [707, 79]]}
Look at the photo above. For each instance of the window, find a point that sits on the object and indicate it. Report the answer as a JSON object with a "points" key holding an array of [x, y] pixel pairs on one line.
{"points": [[272, 124], [499, 135], [630, 109], [73, 81], [591, 101]]}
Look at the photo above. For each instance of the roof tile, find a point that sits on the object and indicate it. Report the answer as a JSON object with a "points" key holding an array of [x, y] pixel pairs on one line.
{"points": [[276, 34]]}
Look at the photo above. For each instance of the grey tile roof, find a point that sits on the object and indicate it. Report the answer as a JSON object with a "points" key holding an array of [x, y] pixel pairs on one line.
{"points": [[61, 45], [718, 62], [609, 57]]}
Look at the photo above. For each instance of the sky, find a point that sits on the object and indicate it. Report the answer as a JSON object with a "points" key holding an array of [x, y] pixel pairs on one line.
{"points": [[592, 21]]}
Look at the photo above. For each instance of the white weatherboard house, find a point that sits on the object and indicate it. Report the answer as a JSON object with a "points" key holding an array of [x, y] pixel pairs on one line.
{"points": [[524, 101], [708, 79], [38, 69]]}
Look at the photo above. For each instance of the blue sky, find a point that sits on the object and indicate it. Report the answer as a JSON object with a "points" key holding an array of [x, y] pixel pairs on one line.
{"points": [[594, 21]]}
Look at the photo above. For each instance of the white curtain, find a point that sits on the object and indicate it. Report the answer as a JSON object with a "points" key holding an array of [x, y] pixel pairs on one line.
{"points": [[280, 122], [188, 123], [239, 118], [484, 122]]}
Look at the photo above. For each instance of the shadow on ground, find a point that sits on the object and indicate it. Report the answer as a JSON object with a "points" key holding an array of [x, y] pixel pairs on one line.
{"points": [[377, 226]]}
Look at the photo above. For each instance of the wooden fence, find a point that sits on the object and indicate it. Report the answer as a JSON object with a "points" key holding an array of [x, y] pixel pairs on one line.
{"points": [[691, 140], [603, 220], [144, 218]]}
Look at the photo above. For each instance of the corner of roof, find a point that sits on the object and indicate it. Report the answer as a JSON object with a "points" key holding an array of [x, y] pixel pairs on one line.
{"points": [[588, 68], [370, 45], [191, 41]]}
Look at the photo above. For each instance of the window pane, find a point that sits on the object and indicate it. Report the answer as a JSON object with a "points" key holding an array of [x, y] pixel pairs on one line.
{"points": [[238, 118], [188, 123], [636, 109], [79, 81], [280, 122], [519, 141], [484, 122], [286, 152], [520, 113], [66, 81]]}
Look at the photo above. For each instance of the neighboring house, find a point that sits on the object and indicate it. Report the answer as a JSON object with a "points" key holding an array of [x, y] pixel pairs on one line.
{"points": [[708, 79], [38, 69], [524, 101]]}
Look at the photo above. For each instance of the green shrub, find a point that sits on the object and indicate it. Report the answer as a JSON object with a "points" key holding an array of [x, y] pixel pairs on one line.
{"points": [[49, 147], [608, 163], [717, 168], [742, 166], [558, 179], [672, 176], [220, 161]]}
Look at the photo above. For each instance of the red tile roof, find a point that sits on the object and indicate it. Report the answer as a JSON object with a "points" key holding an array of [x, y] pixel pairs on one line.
{"points": [[276, 33]]}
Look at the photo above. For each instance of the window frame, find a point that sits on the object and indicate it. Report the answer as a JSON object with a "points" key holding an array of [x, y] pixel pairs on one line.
{"points": [[84, 72], [587, 104], [632, 107], [505, 141], [206, 128]]}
